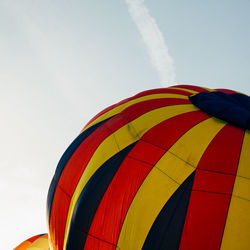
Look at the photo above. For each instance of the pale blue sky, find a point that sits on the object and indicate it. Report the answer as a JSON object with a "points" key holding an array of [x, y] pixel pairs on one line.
{"points": [[63, 61]]}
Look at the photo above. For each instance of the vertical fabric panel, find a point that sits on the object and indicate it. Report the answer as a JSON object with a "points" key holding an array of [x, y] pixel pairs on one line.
{"points": [[114, 204], [41, 243], [63, 161], [149, 152], [167, 228], [120, 139], [195, 88], [118, 108], [163, 180], [90, 199], [156, 171], [237, 228], [209, 201], [84, 153], [34, 243]]}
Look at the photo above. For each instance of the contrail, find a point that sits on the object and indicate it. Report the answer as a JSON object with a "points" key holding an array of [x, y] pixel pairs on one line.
{"points": [[154, 41]]}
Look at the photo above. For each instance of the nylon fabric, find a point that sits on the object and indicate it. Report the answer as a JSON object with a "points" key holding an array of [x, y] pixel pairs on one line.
{"points": [[166, 231], [163, 180], [90, 198], [120, 139], [157, 171], [236, 233], [142, 94], [232, 108], [82, 155], [228, 91], [196, 89], [106, 226], [34, 243], [120, 108], [63, 161], [149, 152], [211, 192], [192, 92], [40, 244]]}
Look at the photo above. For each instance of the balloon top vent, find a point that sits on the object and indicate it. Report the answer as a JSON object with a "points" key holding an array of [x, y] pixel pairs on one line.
{"points": [[233, 108]]}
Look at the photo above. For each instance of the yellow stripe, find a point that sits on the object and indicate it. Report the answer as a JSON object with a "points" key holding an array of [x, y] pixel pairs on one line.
{"points": [[164, 179], [120, 139], [42, 244], [192, 91], [183, 89], [210, 90], [237, 229], [243, 167], [23, 246], [121, 107]]}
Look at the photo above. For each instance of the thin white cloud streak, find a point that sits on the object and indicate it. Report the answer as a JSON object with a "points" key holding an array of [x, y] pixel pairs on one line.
{"points": [[154, 41]]}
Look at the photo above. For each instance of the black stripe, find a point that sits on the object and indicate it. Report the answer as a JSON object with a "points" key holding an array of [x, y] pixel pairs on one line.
{"points": [[64, 160], [166, 231], [90, 199]]}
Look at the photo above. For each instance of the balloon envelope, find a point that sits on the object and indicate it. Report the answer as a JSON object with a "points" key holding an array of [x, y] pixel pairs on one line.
{"points": [[165, 169], [34, 243]]}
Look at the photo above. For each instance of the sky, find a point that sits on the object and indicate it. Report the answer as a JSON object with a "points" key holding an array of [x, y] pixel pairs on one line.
{"points": [[64, 61]]}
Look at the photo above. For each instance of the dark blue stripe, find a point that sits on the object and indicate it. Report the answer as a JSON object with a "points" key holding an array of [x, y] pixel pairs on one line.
{"points": [[90, 199], [42, 234], [63, 161], [232, 108], [166, 231]]}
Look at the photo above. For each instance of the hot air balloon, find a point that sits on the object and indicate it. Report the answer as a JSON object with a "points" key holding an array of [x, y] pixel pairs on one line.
{"points": [[34, 243], [165, 169]]}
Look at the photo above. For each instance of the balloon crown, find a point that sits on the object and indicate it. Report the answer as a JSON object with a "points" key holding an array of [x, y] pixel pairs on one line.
{"points": [[233, 108]]}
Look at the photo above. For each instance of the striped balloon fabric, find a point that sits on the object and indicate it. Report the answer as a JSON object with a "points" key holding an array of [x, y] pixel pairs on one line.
{"points": [[166, 169], [34, 243]]}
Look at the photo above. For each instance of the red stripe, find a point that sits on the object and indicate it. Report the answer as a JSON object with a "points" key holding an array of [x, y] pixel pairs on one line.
{"points": [[214, 182], [144, 93], [216, 157], [58, 218], [211, 192], [112, 210], [227, 91], [99, 244], [113, 207], [32, 239], [177, 125], [191, 87], [79, 160]]}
